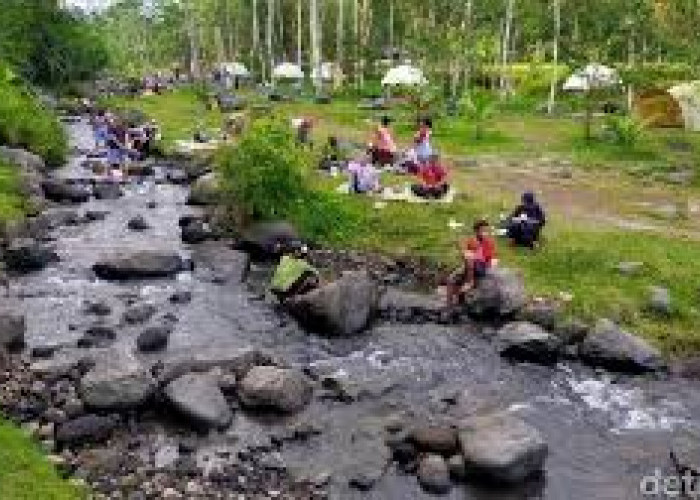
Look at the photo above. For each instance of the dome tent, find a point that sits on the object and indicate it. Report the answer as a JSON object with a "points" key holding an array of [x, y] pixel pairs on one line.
{"points": [[404, 75], [234, 69], [688, 97]]}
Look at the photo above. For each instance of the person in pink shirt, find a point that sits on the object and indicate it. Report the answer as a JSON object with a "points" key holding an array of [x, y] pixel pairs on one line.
{"points": [[384, 146]]}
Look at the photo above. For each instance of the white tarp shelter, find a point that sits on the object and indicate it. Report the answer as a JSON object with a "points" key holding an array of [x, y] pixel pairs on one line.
{"points": [[287, 71], [234, 69], [688, 97], [593, 76], [404, 75]]}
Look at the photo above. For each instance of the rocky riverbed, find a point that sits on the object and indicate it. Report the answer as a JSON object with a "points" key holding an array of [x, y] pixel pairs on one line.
{"points": [[155, 368]]}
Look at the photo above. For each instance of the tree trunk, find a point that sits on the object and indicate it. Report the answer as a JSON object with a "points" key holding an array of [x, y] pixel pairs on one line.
{"points": [[268, 34], [192, 35], [469, 44], [391, 26], [555, 57], [315, 47], [299, 32], [256, 52], [356, 32], [508, 26], [340, 42]]}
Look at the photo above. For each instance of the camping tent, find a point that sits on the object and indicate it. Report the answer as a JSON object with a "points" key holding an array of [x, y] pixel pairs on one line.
{"points": [[658, 108], [593, 76], [688, 97], [287, 71], [404, 75], [234, 69]]}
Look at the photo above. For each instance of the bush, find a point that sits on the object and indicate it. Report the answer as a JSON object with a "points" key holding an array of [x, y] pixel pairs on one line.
{"points": [[479, 108], [26, 124], [624, 131], [267, 177]]}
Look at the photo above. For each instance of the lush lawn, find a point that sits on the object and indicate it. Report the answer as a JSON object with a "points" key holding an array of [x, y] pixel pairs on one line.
{"points": [[25, 474], [579, 256], [12, 203]]}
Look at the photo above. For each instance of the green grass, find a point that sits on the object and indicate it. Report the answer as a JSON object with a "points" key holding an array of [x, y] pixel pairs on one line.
{"points": [[24, 472], [12, 202], [578, 257]]}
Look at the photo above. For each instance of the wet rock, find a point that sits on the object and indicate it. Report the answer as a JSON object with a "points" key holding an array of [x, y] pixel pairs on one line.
{"points": [[96, 215], [199, 398], [367, 459], [546, 314], [571, 331], [181, 297], [63, 363], [267, 240], [44, 351], [86, 429], [24, 159], [12, 330], [528, 342], [432, 439], [339, 309], [151, 205], [216, 263], [196, 232], [434, 475], [660, 301], [97, 308], [500, 294], [204, 191], [501, 448], [406, 307], [153, 339], [238, 361], [610, 347], [26, 255], [97, 336], [107, 191], [139, 265], [138, 314], [278, 389], [123, 385], [61, 191], [177, 176], [685, 451], [138, 223], [458, 469]]}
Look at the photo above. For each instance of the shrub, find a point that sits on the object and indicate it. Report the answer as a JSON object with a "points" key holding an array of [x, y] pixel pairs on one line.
{"points": [[624, 131], [479, 108]]}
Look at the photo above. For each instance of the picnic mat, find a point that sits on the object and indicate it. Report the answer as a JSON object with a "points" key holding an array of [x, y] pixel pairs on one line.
{"points": [[404, 195]]}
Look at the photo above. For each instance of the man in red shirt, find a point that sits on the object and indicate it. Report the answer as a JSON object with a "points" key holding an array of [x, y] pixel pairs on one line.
{"points": [[479, 255], [433, 177]]}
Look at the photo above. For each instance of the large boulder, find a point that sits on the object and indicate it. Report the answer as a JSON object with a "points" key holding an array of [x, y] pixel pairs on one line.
{"points": [[407, 307], [86, 429], [525, 341], [610, 347], [139, 265], [217, 263], [199, 398], [433, 439], [204, 191], [119, 385], [501, 448], [265, 240], [12, 330], [278, 389], [434, 475], [501, 293], [339, 309], [61, 191], [25, 255]]}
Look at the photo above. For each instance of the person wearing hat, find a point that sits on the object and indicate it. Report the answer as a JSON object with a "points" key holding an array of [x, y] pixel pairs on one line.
{"points": [[526, 222], [478, 256]]}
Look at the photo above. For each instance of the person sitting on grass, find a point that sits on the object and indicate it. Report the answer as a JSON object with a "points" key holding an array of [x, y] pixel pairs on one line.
{"points": [[331, 155], [364, 177], [478, 256], [384, 147], [294, 275], [433, 180], [424, 149], [526, 222]]}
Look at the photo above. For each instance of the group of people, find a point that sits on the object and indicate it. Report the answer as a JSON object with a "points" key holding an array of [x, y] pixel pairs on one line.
{"points": [[121, 141]]}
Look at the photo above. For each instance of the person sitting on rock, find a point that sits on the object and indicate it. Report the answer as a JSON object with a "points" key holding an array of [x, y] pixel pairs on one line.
{"points": [[294, 275], [526, 222], [364, 177], [478, 256], [433, 180]]}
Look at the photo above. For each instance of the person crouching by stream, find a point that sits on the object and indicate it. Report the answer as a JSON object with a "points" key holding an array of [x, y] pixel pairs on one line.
{"points": [[525, 224], [478, 255]]}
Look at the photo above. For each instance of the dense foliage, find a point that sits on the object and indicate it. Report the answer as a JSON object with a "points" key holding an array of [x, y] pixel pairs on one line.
{"points": [[26, 123], [49, 45]]}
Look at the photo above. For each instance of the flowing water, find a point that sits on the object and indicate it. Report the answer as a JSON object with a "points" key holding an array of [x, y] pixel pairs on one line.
{"points": [[605, 433]]}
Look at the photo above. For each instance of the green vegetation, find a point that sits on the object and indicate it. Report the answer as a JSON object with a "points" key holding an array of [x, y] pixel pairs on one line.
{"points": [[25, 473], [25, 123], [12, 202]]}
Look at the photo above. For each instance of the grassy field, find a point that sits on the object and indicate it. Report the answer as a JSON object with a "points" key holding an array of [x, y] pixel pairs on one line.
{"points": [[612, 207], [25, 474]]}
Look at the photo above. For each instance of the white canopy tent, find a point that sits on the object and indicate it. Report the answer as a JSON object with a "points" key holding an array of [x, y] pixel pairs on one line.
{"points": [[287, 71], [688, 97], [404, 75], [234, 69], [593, 76]]}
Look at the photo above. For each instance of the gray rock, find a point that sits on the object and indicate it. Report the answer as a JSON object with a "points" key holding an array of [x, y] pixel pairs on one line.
{"points": [[660, 301], [571, 331], [216, 263], [458, 468], [107, 191], [61, 191], [138, 223], [610, 347], [85, 429], [154, 338], [12, 330], [199, 398], [501, 447], [24, 159], [123, 385], [140, 265], [204, 191], [268, 239], [398, 305], [278, 389], [685, 451], [196, 232], [500, 294], [97, 336], [98, 308], [432, 439], [434, 475], [528, 342], [546, 314], [181, 297], [343, 308], [139, 313], [26, 255]]}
